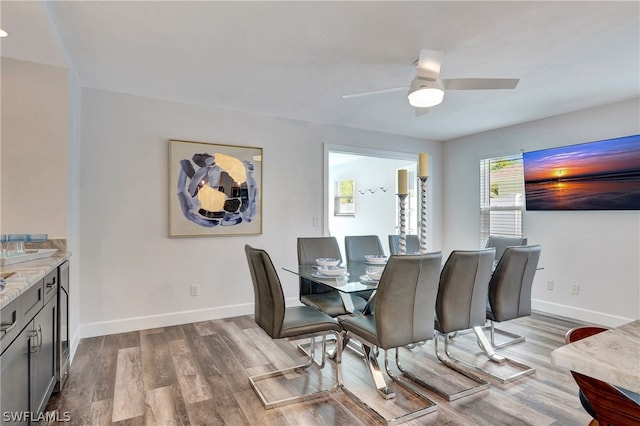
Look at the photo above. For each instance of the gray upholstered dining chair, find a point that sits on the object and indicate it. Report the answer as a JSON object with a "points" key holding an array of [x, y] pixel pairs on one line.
{"points": [[356, 247], [461, 305], [281, 322], [510, 289], [412, 244], [509, 297], [404, 315], [501, 242], [316, 295]]}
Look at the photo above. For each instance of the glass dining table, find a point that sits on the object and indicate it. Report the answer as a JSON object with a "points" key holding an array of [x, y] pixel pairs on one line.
{"points": [[355, 279]]}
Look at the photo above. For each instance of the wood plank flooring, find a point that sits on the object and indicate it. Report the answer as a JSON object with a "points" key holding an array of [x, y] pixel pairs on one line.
{"points": [[197, 374]]}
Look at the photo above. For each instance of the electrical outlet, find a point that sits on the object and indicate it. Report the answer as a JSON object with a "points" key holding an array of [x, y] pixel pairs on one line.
{"points": [[195, 289], [575, 289], [549, 285]]}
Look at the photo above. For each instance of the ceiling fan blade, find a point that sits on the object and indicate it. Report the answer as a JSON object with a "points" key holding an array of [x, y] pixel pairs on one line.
{"points": [[375, 92], [429, 64], [479, 83], [421, 111]]}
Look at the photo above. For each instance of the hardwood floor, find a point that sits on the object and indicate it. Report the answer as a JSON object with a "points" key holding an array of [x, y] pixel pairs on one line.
{"points": [[197, 374]]}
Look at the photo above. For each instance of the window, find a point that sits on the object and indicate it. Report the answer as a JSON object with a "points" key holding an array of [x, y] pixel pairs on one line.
{"points": [[501, 197], [344, 200]]}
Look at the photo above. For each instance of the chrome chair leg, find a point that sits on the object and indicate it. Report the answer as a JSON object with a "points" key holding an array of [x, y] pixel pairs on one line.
{"points": [[376, 374], [514, 338], [253, 380], [486, 347], [379, 381], [488, 350], [482, 384], [326, 338]]}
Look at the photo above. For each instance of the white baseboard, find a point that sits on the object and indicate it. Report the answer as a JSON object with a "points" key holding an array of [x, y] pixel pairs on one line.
{"points": [[579, 314], [102, 328]]}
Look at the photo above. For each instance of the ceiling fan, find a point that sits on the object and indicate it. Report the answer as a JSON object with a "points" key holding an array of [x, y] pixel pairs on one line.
{"points": [[427, 88]]}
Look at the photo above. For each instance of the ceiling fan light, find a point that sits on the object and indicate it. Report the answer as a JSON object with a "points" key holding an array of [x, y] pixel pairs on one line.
{"points": [[425, 93]]}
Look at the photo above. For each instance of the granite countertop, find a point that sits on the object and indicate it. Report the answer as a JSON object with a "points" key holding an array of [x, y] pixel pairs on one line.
{"points": [[26, 274], [612, 356]]}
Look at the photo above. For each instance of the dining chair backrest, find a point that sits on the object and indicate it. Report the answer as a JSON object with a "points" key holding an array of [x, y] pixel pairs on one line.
{"points": [[511, 282], [312, 248], [462, 293], [356, 247], [269, 303], [405, 299], [501, 242], [412, 244]]}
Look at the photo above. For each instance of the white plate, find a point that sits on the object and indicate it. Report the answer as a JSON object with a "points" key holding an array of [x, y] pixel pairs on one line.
{"points": [[368, 280], [327, 261], [338, 276], [374, 274], [331, 270], [375, 259]]}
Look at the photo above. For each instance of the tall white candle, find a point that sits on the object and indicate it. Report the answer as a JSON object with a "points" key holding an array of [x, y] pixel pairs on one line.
{"points": [[402, 181], [423, 163]]}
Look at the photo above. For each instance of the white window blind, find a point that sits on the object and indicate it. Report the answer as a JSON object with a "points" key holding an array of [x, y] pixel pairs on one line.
{"points": [[501, 197]]}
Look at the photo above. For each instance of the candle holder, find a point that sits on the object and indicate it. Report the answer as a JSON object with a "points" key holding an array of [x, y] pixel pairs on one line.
{"points": [[423, 214], [403, 223]]}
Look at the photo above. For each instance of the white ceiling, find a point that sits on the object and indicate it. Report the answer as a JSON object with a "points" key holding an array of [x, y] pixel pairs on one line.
{"points": [[297, 59]]}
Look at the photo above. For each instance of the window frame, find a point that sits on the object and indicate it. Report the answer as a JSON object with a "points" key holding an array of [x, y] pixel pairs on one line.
{"points": [[341, 205], [486, 207]]}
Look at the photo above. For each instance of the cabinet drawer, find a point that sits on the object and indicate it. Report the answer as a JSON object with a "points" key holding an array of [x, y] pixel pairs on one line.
{"points": [[50, 285], [31, 301], [10, 320]]}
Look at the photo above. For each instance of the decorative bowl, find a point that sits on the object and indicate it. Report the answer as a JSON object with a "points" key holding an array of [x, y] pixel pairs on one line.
{"points": [[374, 274], [376, 258], [327, 261], [331, 270]]}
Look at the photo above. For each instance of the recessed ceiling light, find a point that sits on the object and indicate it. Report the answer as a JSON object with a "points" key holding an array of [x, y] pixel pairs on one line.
{"points": [[3, 33]]}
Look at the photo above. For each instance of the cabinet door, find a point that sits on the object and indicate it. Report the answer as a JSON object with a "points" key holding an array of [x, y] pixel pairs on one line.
{"points": [[14, 382], [43, 357]]}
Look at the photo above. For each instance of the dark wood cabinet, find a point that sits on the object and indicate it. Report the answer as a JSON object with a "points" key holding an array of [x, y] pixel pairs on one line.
{"points": [[29, 352], [42, 359], [14, 393]]}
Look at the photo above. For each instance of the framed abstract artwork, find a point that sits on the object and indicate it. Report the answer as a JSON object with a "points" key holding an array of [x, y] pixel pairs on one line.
{"points": [[214, 189]]}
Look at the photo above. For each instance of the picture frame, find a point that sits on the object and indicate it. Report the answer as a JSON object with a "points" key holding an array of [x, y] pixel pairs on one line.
{"points": [[214, 189], [599, 175]]}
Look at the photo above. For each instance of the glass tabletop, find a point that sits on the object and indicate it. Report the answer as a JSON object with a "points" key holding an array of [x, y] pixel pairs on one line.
{"points": [[355, 280]]}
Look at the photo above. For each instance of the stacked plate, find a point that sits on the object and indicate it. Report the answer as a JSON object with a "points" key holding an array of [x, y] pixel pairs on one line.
{"points": [[376, 259], [327, 261], [372, 275], [330, 272]]}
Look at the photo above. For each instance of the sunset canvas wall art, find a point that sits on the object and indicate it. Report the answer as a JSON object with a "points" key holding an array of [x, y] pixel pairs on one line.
{"points": [[600, 175]]}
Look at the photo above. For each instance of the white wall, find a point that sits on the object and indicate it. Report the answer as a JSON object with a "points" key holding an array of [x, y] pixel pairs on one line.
{"points": [[600, 251], [132, 275], [34, 148]]}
